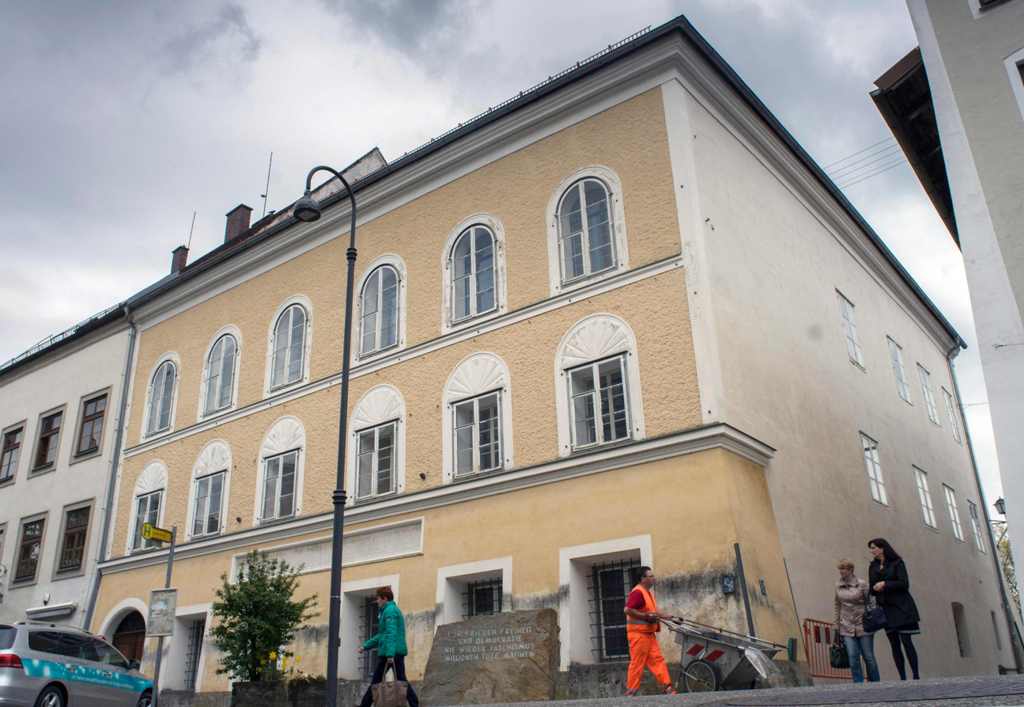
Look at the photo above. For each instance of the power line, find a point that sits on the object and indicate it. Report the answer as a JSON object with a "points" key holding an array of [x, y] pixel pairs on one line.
{"points": [[854, 154], [873, 174], [886, 151], [864, 169]]}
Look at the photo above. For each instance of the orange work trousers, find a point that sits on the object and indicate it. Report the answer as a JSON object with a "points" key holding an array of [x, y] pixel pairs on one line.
{"points": [[644, 652]]}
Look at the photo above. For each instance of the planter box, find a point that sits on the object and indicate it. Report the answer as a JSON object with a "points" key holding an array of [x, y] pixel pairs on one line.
{"points": [[259, 694], [307, 694]]}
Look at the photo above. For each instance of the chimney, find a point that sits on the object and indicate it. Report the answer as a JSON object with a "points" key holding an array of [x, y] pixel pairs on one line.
{"points": [[179, 257], [238, 222]]}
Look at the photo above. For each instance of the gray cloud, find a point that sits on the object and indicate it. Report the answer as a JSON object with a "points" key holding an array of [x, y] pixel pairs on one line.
{"points": [[199, 43]]}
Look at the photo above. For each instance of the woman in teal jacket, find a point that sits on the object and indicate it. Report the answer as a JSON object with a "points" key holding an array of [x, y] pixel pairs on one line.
{"points": [[390, 644]]}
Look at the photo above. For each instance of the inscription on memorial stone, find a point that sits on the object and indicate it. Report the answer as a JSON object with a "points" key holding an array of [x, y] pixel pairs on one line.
{"points": [[507, 657]]}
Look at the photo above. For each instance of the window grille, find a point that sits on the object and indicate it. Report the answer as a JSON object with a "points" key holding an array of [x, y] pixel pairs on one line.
{"points": [[610, 585], [195, 649], [482, 598], [369, 625]]}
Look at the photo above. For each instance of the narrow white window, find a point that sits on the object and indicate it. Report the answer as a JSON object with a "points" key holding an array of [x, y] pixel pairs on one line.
{"points": [[972, 510], [925, 494], [473, 277], [379, 309], [598, 403], [954, 514], [279, 486], [585, 238], [289, 347], [874, 469], [147, 510], [850, 330], [954, 420], [220, 372], [926, 393], [896, 356], [477, 429], [161, 398], [209, 492], [375, 463]]}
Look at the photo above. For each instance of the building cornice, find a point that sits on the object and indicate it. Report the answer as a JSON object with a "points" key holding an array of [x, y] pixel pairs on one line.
{"points": [[709, 437]]}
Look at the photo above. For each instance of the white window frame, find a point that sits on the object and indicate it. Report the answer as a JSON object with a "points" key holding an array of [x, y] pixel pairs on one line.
{"points": [[1013, 69], [396, 263], [145, 544], [924, 495], [269, 388], [201, 412], [972, 512], [873, 468], [620, 242], [147, 433], [954, 420], [595, 338], [579, 186], [929, 397], [214, 458], [205, 511], [954, 513], [375, 492], [379, 405], [476, 464], [153, 478], [898, 369], [477, 374], [287, 434], [448, 321], [452, 581], [277, 516], [594, 367], [848, 322]]}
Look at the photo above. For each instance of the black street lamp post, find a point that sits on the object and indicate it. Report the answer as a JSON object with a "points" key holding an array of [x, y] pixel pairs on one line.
{"points": [[307, 209]]}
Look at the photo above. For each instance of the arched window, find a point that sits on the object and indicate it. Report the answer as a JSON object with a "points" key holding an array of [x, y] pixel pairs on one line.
{"points": [[147, 501], [379, 310], [289, 344], [597, 385], [585, 231], [161, 398], [477, 422], [281, 463], [210, 480], [220, 375], [377, 448], [473, 280]]}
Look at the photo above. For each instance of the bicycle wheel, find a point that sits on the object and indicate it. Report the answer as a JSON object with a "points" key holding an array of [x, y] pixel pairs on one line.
{"points": [[700, 676]]}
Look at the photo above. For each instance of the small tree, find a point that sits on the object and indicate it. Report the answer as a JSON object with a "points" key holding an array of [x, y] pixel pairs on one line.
{"points": [[256, 616]]}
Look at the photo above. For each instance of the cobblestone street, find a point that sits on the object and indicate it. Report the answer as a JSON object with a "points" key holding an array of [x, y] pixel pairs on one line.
{"points": [[947, 692]]}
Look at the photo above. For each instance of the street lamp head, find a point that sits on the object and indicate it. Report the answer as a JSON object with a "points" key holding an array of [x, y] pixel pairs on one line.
{"points": [[1000, 505], [306, 209]]}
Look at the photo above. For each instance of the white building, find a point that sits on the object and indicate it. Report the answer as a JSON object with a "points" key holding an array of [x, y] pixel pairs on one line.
{"points": [[60, 409], [957, 108]]}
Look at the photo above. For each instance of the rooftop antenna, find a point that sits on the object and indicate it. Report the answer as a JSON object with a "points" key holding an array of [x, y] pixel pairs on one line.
{"points": [[266, 190], [188, 244]]}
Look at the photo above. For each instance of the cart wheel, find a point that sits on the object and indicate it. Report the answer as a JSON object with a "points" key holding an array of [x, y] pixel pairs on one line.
{"points": [[700, 676]]}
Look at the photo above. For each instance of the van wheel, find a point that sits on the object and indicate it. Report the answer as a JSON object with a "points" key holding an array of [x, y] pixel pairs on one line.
{"points": [[52, 696], [145, 700]]}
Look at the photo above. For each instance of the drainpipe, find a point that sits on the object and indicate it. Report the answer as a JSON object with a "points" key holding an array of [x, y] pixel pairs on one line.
{"points": [[94, 590], [1011, 624]]}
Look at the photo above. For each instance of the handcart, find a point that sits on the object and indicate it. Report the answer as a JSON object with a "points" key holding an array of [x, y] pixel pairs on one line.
{"points": [[717, 659]]}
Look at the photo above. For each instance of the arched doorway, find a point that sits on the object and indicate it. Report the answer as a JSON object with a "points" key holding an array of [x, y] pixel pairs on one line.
{"points": [[130, 636]]}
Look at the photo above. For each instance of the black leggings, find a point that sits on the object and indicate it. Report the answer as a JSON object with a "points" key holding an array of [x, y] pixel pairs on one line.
{"points": [[895, 639]]}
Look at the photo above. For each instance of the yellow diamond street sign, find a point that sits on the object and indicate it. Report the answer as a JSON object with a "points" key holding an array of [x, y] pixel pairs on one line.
{"points": [[151, 532]]}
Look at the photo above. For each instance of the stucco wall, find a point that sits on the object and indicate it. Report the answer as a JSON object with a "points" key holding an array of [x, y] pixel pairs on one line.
{"points": [[693, 508], [61, 380], [774, 270]]}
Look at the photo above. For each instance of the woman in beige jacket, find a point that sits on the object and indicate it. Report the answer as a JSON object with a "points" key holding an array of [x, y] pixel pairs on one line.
{"points": [[851, 602]]}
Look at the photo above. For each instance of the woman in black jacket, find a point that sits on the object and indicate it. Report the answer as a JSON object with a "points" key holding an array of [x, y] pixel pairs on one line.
{"points": [[890, 584]]}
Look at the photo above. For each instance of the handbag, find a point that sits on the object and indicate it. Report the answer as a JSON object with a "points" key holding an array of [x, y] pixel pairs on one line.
{"points": [[874, 616], [838, 658], [390, 693]]}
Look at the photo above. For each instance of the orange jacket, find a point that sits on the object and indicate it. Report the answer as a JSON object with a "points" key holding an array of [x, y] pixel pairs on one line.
{"points": [[650, 606]]}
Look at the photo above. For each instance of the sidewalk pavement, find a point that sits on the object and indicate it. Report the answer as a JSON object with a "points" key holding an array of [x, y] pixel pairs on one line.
{"points": [[940, 692]]}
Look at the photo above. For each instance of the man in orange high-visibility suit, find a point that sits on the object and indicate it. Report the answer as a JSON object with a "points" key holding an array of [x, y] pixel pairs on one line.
{"points": [[642, 628]]}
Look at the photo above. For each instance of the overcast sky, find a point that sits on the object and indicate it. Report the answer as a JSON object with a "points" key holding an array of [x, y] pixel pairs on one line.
{"points": [[121, 118]]}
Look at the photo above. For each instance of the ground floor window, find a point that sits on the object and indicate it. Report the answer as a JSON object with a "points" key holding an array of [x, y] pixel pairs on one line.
{"points": [[196, 631], [369, 626], [130, 636], [482, 598], [610, 585]]}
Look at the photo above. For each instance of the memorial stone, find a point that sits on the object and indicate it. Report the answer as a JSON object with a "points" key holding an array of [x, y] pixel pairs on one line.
{"points": [[507, 657]]}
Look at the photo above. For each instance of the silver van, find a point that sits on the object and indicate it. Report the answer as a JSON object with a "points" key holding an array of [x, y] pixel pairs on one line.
{"points": [[46, 665]]}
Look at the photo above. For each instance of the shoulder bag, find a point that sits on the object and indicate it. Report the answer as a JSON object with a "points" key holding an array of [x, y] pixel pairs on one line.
{"points": [[838, 658], [390, 693], [874, 615]]}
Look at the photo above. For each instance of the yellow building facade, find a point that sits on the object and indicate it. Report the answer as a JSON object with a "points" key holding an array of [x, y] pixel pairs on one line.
{"points": [[525, 419]]}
